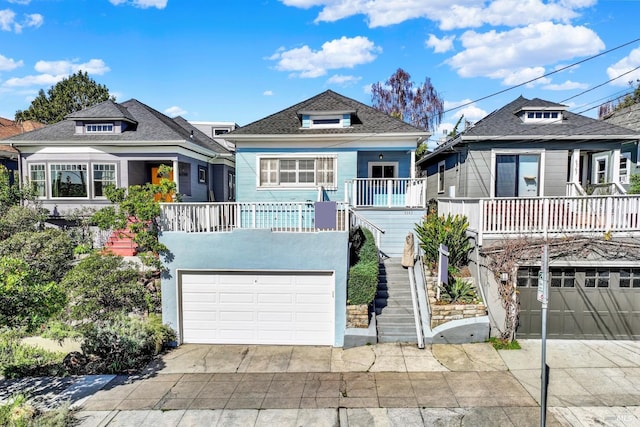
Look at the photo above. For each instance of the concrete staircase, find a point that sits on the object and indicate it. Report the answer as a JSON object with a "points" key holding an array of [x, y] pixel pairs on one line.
{"points": [[394, 309]]}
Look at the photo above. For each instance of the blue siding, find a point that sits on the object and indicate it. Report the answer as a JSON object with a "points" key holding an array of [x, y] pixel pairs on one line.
{"points": [[247, 169], [257, 250], [403, 159]]}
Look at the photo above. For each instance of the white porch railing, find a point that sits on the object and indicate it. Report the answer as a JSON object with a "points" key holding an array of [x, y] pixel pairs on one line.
{"points": [[224, 217], [396, 192], [542, 216], [359, 221]]}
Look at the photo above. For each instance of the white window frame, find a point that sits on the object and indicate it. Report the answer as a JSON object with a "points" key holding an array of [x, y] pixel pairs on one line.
{"points": [[595, 175], [88, 128], [88, 174], [441, 171], [43, 181], [624, 173], [93, 178], [542, 118], [273, 162]]}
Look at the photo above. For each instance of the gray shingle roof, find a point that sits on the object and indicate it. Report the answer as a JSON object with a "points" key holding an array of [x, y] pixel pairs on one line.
{"points": [[504, 122], [103, 111], [364, 119], [147, 126], [628, 117]]}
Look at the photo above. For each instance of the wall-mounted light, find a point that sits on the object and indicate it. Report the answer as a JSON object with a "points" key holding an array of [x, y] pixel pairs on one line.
{"points": [[504, 277], [380, 156]]}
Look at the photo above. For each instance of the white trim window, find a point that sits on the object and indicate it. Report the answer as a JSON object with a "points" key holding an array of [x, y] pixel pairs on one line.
{"points": [[68, 180], [625, 161], [103, 174], [98, 128], [297, 172], [38, 179]]}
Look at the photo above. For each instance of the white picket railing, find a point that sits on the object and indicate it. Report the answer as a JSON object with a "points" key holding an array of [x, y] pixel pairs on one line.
{"points": [[546, 215], [386, 192], [224, 217]]}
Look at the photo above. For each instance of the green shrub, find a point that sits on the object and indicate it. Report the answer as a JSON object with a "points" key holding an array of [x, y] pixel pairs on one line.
{"points": [[21, 360], [459, 290], [48, 253], [450, 231], [362, 283], [104, 286], [634, 184], [18, 412], [25, 300], [125, 343]]}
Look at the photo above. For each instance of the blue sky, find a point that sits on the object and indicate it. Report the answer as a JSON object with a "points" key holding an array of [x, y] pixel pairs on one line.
{"points": [[242, 60]]}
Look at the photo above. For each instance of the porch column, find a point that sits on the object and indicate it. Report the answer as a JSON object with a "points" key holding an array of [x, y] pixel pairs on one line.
{"points": [[176, 175], [574, 172], [615, 170], [413, 165]]}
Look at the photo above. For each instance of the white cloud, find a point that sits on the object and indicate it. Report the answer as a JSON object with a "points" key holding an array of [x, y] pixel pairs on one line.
{"points": [[267, 93], [342, 80], [518, 76], [93, 66], [142, 4], [7, 18], [8, 21], [449, 15], [175, 111], [497, 54], [19, 1], [335, 54], [39, 80], [442, 45], [625, 65], [567, 85], [8, 64]]}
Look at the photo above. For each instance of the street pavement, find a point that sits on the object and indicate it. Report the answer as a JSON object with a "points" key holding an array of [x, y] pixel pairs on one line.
{"points": [[590, 383]]}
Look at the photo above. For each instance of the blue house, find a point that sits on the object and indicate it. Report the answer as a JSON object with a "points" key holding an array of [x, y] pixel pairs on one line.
{"points": [[271, 268]]}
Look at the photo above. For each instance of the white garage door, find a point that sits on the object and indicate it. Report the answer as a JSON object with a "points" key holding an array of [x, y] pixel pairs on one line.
{"points": [[257, 308]]}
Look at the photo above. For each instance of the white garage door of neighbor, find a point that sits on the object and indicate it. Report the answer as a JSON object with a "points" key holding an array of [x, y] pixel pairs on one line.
{"points": [[257, 308]]}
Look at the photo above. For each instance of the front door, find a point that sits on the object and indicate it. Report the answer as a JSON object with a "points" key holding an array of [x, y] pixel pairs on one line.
{"points": [[155, 179], [383, 170]]}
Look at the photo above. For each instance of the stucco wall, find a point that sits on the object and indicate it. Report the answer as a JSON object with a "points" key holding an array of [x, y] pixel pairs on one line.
{"points": [[257, 250]]}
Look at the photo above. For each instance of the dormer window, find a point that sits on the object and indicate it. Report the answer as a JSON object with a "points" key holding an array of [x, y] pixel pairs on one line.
{"points": [[325, 120], [544, 115], [99, 128]]}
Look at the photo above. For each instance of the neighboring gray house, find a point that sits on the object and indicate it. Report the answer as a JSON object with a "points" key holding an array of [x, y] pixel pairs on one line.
{"points": [[532, 169], [528, 148], [628, 117], [70, 162]]}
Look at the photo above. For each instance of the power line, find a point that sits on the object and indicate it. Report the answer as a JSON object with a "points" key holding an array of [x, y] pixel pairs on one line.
{"points": [[543, 76]]}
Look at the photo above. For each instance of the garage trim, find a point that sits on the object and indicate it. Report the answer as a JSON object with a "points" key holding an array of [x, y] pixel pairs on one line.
{"points": [[301, 294]]}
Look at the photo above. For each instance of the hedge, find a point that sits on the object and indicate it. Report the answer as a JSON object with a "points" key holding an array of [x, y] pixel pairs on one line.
{"points": [[363, 276]]}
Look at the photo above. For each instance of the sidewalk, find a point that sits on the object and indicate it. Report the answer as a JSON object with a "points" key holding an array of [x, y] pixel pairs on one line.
{"points": [[591, 383]]}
